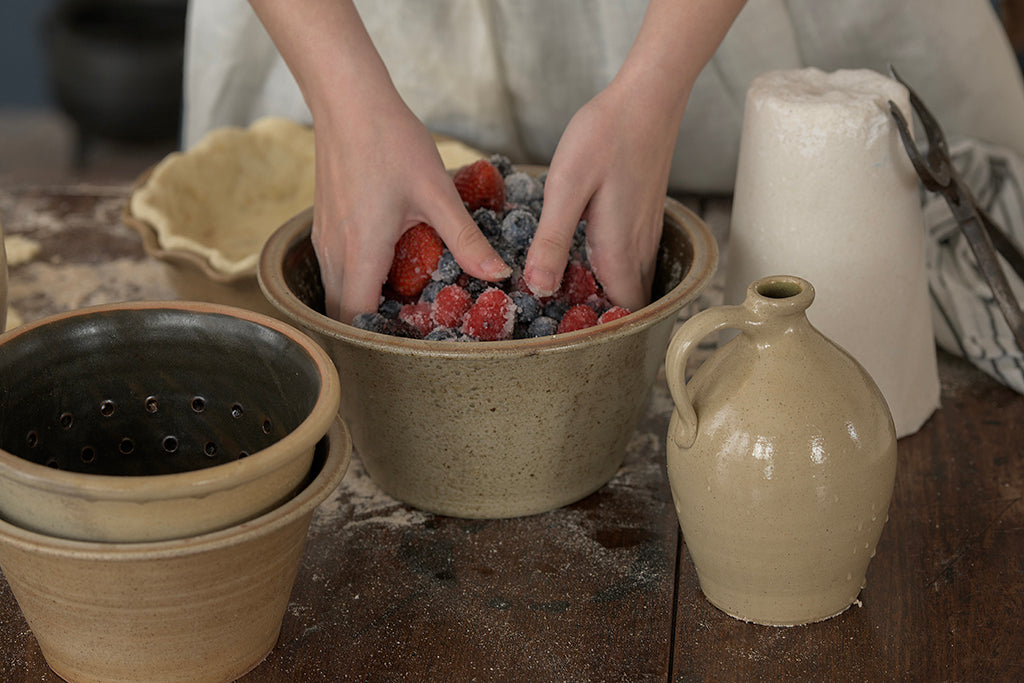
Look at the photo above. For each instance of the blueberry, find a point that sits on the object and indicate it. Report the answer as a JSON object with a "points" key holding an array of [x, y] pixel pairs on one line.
{"points": [[443, 334], [374, 322], [429, 292], [556, 309], [488, 222], [528, 307], [522, 188], [448, 269], [389, 308], [518, 228], [502, 163], [579, 241], [543, 326]]}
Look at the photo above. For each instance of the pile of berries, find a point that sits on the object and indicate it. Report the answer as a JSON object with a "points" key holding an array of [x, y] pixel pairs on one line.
{"points": [[427, 296]]}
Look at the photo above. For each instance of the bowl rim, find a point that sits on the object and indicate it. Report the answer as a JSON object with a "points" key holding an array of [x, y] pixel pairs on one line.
{"points": [[272, 282], [336, 463], [193, 483]]}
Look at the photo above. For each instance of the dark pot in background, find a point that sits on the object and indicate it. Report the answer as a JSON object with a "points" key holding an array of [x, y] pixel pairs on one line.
{"points": [[116, 66]]}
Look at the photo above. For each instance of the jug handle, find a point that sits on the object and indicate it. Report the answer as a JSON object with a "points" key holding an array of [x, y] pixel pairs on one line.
{"points": [[684, 341]]}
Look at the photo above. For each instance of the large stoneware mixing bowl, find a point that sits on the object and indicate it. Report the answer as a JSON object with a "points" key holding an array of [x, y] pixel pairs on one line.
{"points": [[197, 609], [150, 421], [494, 429]]}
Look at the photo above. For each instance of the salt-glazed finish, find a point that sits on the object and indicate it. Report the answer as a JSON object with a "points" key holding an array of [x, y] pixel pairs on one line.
{"points": [[781, 459], [494, 429], [197, 609], [148, 421]]}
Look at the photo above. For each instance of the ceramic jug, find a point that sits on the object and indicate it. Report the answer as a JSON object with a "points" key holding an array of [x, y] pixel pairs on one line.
{"points": [[781, 459]]}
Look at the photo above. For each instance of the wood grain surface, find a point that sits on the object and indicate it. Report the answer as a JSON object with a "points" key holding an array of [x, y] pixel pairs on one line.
{"points": [[602, 590]]}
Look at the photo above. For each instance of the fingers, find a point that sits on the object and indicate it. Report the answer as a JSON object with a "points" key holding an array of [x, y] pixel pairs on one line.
{"points": [[352, 271], [549, 251], [463, 238]]}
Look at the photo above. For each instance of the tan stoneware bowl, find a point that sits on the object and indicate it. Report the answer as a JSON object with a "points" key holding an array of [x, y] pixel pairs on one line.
{"points": [[494, 429], [155, 420], [203, 608]]}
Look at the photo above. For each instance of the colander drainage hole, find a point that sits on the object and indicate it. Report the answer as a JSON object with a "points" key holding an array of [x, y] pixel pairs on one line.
{"points": [[199, 404], [66, 420], [236, 411], [152, 405], [170, 444], [266, 426], [210, 449], [88, 454], [126, 446], [107, 408], [243, 454]]}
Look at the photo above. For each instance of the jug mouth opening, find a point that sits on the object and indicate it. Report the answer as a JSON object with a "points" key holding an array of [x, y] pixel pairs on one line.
{"points": [[772, 288]]}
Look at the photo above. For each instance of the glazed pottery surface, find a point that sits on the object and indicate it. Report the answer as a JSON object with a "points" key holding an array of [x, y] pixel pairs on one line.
{"points": [[826, 192], [494, 429], [150, 421], [3, 282], [203, 608], [781, 459]]}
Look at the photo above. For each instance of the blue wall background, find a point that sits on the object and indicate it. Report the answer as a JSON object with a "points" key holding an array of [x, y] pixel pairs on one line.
{"points": [[23, 75]]}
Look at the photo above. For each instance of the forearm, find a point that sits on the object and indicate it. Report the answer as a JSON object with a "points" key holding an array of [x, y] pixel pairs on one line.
{"points": [[676, 41], [329, 52]]}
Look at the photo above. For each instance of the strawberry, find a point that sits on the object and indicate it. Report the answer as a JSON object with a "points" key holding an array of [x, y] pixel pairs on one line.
{"points": [[613, 313], [578, 284], [416, 256], [417, 315], [480, 185], [577, 318], [492, 317], [450, 306]]}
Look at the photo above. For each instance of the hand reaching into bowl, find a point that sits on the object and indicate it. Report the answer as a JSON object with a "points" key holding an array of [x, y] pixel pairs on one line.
{"points": [[378, 172]]}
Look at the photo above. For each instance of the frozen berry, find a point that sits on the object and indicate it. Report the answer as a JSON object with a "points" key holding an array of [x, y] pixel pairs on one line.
{"points": [[480, 185], [522, 189], [578, 284], [417, 254], [577, 318], [389, 308], [503, 164], [542, 326], [444, 334], [430, 291], [491, 317], [488, 222], [613, 313], [448, 269], [528, 306], [400, 328], [518, 228], [417, 315], [372, 322], [450, 306]]}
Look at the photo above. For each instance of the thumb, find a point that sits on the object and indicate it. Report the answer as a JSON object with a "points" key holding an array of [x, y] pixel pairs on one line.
{"points": [[467, 243]]}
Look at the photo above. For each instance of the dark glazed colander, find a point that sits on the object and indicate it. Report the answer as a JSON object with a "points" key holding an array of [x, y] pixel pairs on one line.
{"points": [[176, 402]]}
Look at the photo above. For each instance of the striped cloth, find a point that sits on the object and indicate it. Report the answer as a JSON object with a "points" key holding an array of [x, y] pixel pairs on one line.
{"points": [[965, 315]]}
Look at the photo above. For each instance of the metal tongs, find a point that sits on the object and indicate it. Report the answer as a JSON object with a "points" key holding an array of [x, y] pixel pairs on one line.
{"points": [[984, 236]]}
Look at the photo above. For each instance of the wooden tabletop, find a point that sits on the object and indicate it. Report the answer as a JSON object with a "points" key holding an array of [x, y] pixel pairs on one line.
{"points": [[602, 590]]}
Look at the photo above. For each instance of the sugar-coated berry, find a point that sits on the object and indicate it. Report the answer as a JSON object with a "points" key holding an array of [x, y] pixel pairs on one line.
{"points": [[431, 290], [503, 164], [491, 317], [528, 307], [443, 334], [450, 306], [372, 322], [448, 269], [522, 189], [417, 315], [556, 309], [578, 284], [542, 326], [613, 313], [488, 222], [518, 228], [577, 318], [389, 308]]}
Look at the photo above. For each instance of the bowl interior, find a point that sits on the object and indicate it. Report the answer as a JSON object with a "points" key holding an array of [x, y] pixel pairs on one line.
{"points": [[141, 392], [301, 270]]}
